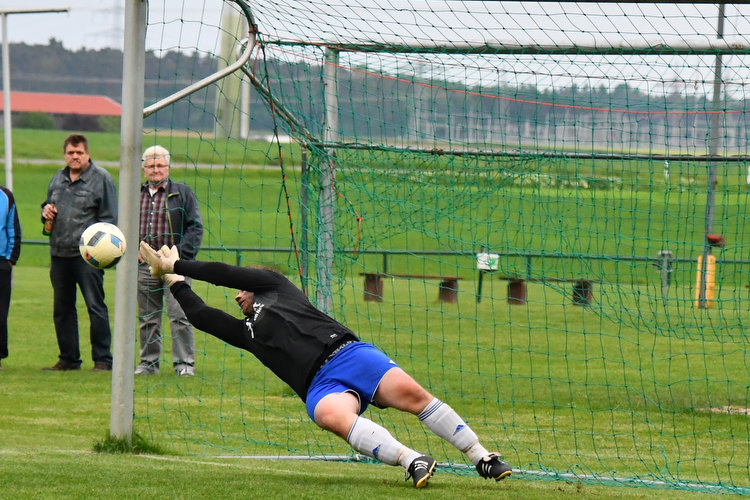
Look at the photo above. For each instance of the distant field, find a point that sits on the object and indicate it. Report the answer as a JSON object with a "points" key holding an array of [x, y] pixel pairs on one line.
{"points": [[186, 150]]}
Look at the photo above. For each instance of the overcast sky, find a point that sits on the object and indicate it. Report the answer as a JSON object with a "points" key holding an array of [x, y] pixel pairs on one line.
{"points": [[98, 23], [192, 24], [90, 23]]}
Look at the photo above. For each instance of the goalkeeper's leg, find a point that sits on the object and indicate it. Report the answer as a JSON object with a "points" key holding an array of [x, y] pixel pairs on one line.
{"points": [[401, 391], [441, 419], [338, 413]]}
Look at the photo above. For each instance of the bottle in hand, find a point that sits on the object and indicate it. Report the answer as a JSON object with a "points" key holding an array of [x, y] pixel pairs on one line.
{"points": [[48, 225]]}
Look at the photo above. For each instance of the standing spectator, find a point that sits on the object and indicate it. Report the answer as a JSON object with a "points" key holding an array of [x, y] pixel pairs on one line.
{"points": [[10, 249], [169, 216], [78, 195]]}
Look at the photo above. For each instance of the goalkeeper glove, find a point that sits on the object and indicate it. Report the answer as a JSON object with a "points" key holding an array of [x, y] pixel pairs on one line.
{"points": [[161, 262], [171, 278]]}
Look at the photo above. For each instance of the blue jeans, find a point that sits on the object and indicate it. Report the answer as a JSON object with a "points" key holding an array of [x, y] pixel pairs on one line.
{"points": [[65, 273]]}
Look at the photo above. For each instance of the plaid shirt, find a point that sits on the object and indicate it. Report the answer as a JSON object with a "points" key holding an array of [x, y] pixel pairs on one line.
{"points": [[154, 226]]}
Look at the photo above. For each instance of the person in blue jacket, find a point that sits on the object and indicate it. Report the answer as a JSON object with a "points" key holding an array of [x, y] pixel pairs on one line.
{"points": [[10, 249]]}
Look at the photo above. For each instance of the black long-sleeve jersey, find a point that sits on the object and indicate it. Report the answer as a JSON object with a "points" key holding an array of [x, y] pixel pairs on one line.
{"points": [[285, 332]]}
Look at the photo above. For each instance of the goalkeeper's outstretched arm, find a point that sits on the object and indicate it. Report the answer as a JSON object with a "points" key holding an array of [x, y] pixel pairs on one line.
{"points": [[166, 262], [214, 321]]}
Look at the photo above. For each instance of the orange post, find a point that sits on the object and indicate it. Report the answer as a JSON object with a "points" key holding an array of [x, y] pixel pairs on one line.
{"points": [[710, 281]]}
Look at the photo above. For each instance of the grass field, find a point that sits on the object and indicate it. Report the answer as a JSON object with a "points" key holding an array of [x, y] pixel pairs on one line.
{"points": [[627, 385], [51, 421]]}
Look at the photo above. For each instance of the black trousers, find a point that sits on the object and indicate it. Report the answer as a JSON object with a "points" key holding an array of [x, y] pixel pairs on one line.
{"points": [[6, 273], [66, 273]]}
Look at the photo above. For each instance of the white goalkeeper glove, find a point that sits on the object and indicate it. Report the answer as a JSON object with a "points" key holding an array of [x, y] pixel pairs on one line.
{"points": [[171, 278], [170, 256], [161, 262]]}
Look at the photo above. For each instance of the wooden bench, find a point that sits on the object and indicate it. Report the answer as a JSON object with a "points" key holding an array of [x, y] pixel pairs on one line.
{"points": [[448, 291], [582, 288]]}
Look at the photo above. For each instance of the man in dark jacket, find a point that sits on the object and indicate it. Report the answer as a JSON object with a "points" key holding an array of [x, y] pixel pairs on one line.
{"points": [[77, 196], [335, 374], [169, 216]]}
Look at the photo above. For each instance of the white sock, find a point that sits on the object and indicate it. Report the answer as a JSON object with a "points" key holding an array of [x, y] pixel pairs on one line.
{"points": [[476, 452], [375, 441], [445, 422]]}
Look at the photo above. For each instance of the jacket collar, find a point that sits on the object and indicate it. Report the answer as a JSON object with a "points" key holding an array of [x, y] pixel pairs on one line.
{"points": [[167, 186], [85, 175]]}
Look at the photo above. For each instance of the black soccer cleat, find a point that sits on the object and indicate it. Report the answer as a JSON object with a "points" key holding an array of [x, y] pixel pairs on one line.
{"points": [[421, 469], [491, 467]]}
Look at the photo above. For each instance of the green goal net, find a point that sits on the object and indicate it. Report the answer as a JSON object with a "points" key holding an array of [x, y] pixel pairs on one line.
{"points": [[513, 200]]}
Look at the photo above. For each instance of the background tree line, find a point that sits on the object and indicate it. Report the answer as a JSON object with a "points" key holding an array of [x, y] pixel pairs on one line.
{"points": [[382, 108]]}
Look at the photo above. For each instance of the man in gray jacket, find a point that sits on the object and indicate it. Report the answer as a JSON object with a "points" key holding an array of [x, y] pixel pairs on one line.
{"points": [[169, 215], [77, 196]]}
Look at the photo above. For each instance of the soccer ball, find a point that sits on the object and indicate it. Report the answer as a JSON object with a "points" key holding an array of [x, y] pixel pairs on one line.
{"points": [[102, 244]]}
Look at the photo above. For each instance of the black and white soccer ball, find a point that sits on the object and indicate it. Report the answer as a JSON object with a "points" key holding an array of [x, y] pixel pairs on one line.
{"points": [[102, 244]]}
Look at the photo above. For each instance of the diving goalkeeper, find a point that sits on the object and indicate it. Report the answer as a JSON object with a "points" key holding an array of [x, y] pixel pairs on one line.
{"points": [[324, 362]]}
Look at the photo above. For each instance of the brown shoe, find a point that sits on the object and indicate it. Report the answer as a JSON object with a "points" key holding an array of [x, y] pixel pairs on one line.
{"points": [[101, 367], [62, 366]]}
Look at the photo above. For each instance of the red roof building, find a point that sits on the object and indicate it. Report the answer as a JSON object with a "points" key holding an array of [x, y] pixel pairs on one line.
{"points": [[61, 104]]}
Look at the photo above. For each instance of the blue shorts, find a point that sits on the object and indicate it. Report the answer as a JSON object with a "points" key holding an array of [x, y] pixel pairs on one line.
{"points": [[358, 369]]}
